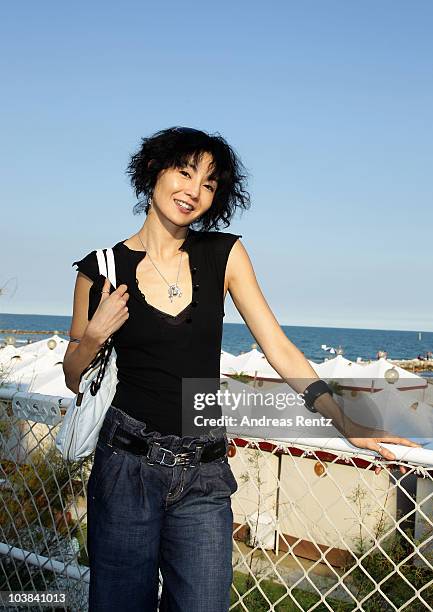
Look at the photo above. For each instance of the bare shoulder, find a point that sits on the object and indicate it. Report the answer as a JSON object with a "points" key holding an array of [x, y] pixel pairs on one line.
{"points": [[239, 262], [239, 269]]}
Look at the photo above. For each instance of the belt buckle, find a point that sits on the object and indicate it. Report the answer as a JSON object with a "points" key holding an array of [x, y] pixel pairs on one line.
{"points": [[166, 451], [184, 458]]}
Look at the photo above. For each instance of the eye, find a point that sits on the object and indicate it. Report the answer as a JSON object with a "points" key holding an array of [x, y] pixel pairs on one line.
{"points": [[210, 188], [185, 173]]}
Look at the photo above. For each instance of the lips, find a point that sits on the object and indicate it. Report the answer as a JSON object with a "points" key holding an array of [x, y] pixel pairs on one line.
{"points": [[183, 206]]}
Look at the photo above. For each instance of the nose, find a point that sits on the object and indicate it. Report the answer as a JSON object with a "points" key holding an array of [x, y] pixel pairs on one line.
{"points": [[193, 189]]}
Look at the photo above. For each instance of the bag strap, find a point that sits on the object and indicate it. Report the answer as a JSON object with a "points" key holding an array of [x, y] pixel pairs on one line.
{"points": [[107, 267], [111, 267], [106, 264], [101, 262]]}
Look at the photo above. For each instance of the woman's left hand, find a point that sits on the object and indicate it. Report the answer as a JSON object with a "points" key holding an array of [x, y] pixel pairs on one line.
{"points": [[370, 438]]}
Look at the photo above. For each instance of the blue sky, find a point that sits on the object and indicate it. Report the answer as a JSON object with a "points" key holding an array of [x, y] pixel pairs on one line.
{"points": [[329, 105]]}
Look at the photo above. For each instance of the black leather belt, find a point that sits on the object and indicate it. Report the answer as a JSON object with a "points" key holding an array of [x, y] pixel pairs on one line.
{"points": [[155, 453]]}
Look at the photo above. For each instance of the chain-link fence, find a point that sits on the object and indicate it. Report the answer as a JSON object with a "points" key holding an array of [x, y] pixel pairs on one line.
{"points": [[314, 529]]}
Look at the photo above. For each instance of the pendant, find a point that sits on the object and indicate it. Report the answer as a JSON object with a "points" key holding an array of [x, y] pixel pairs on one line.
{"points": [[174, 290]]}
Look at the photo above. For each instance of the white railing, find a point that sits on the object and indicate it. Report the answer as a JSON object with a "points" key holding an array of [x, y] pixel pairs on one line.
{"points": [[314, 527]]}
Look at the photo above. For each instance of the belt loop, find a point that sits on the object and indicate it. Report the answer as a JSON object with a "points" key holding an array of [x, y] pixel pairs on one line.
{"points": [[226, 443], [149, 454], [112, 431], [197, 455]]}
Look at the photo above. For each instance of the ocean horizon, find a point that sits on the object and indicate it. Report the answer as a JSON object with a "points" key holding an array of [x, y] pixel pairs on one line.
{"points": [[355, 342]]}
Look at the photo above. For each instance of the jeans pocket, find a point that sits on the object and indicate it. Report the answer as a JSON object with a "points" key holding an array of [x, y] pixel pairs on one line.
{"points": [[102, 462], [217, 478], [228, 476]]}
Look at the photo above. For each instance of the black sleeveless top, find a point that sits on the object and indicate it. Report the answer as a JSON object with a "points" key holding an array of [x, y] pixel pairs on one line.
{"points": [[155, 350]]}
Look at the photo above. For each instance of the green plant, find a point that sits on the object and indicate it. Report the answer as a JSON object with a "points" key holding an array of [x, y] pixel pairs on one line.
{"points": [[388, 563], [336, 388], [255, 599], [241, 377], [33, 513], [255, 474]]}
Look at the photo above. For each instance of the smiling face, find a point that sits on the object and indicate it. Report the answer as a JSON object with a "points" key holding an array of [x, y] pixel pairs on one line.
{"points": [[184, 194]]}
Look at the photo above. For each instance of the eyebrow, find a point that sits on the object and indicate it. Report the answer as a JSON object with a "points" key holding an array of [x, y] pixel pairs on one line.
{"points": [[210, 177]]}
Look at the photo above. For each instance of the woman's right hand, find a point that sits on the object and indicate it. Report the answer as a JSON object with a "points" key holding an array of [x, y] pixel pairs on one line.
{"points": [[111, 314]]}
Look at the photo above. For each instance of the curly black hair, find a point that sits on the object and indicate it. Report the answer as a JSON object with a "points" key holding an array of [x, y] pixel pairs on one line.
{"points": [[176, 147]]}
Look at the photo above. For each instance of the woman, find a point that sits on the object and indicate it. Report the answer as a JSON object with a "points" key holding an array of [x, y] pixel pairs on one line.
{"points": [[159, 499]]}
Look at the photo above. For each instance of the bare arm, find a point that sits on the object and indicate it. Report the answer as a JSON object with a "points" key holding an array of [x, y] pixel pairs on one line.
{"points": [[111, 313], [285, 357], [282, 354]]}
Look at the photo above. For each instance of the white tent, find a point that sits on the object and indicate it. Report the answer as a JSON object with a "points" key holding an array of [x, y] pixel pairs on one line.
{"points": [[254, 364], [368, 375], [11, 357], [375, 371], [41, 346], [7, 353], [36, 368], [338, 367], [227, 361], [394, 411]]}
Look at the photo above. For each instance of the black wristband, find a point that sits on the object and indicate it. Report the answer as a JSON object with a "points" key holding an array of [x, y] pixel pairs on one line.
{"points": [[313, 391]]}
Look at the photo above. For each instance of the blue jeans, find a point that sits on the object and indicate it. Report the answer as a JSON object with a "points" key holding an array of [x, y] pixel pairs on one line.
{"points": [[145, 517]]}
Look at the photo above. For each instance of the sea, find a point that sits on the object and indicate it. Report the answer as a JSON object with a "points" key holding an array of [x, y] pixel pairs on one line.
{"points": [[364, 343]]}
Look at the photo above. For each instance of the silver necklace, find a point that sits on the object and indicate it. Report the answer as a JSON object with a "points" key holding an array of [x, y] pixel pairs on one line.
{"points": [[173, 288]]}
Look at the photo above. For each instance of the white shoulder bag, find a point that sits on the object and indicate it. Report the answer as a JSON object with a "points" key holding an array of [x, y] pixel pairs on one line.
{"points": [[79, 431]]}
